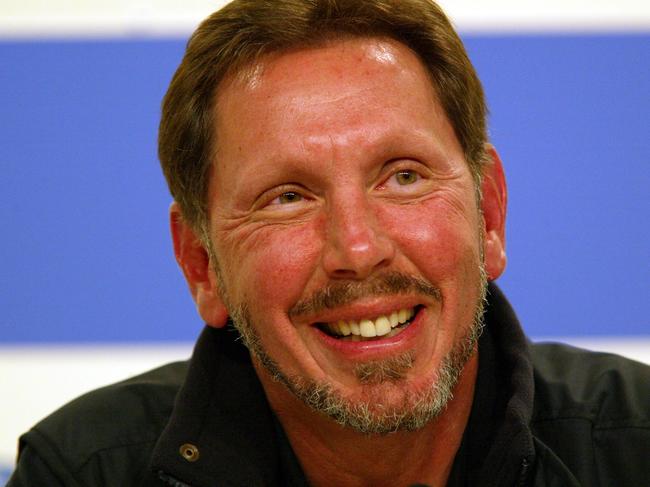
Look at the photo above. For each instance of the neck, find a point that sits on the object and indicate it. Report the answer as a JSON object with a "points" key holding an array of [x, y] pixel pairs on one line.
{"points": [[331, 454]]}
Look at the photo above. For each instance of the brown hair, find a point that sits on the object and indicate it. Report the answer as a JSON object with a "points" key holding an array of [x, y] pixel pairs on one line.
{"points": [[244, 30]]}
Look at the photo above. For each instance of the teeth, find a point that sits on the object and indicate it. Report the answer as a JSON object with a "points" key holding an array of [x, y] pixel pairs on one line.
{"points": [[344, 327], [394, 319], [367, 328], [354, 328], [380, 326], [403, 315]]}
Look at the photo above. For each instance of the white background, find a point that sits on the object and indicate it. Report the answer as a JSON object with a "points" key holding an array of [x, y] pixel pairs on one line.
{"points": [[138, 17]]}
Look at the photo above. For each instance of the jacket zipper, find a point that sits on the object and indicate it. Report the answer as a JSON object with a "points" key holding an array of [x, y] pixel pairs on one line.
{"points": [[523, 472]]}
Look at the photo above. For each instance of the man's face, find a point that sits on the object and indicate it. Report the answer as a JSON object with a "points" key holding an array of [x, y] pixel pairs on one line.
{"points": [[341, 205]]}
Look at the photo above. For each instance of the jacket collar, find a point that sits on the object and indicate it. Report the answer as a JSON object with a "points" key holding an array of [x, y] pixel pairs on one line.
{"points": [[222, 414], [515, 456], [511, 452]]}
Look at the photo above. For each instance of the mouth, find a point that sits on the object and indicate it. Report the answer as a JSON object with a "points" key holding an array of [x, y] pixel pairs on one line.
{"points": [[367, 329]]}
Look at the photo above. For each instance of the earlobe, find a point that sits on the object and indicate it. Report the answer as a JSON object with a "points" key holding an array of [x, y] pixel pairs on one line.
{"points": [[194, 261], [493, 205]]}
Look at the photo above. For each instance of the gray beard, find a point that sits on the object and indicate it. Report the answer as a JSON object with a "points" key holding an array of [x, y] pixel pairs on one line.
{"points": [[370, 415]]}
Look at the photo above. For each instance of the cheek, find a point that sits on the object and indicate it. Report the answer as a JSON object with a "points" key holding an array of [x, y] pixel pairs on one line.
{"points": [[273, 264], [435, 237]]}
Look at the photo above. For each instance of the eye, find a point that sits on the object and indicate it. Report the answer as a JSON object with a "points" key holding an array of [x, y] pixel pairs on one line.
{"points": [[406, 177], [287, 197]]}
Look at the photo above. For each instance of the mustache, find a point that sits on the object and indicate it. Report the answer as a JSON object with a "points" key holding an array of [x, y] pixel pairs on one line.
{"points": [[345, 292]]}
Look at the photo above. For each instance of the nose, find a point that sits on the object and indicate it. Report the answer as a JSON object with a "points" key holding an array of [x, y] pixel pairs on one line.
{"points": [[355, 244]]}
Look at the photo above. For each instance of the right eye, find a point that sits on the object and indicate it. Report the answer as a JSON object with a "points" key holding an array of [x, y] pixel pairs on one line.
{"points": [[287, 198]]}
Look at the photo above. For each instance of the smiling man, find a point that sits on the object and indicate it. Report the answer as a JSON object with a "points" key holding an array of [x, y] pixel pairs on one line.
{"points": [[338, 207], [342, 219]]}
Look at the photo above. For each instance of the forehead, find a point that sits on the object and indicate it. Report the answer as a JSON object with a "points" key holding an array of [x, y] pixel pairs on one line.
{"points": [[369, 55], [344, 94], [338, 71]]}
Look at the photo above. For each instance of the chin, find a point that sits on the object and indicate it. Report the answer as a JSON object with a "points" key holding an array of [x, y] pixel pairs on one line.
{"points": [[383, 408], [385, 400]]}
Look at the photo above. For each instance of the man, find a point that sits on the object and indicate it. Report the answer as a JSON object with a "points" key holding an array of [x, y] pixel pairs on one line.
{"points": [[338, 207]]}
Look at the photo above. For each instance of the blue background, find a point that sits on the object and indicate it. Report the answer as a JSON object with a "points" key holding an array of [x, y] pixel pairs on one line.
{"points": [[85, 251]]}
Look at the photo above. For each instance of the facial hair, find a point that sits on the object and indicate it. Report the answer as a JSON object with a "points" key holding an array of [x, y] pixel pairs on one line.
{"points": [[371, 415]]}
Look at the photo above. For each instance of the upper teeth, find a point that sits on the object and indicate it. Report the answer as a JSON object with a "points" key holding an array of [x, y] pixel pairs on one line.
{"points": [[380, 326]]}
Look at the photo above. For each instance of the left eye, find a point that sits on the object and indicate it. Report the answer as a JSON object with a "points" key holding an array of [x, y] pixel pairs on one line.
{"points": [[289, 197], [406, 177]]}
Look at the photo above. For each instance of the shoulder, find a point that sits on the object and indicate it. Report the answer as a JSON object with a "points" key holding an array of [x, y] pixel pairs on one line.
{"points": [[592, 410], [112, 429], [599, 386]]}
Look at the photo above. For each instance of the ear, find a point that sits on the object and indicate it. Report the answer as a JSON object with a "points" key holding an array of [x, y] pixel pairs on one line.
{"points": [[194, 261], [493, 205]]}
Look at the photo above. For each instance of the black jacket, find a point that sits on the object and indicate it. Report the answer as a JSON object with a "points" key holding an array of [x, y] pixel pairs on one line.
{"points": [[543, 415]]}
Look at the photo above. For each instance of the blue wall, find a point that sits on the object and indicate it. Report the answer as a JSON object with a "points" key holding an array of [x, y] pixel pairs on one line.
{"points": [[85, 248]]}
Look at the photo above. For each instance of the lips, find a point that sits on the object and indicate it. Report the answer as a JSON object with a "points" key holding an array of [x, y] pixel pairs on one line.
{"points": [[370, 328]]}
